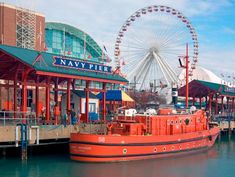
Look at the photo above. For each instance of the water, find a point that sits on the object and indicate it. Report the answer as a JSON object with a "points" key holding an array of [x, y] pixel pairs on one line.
{"points": [[217, 162]]}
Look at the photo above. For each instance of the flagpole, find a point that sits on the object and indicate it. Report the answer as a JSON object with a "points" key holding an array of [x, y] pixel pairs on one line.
{"points": [[186, 67], [84, 46], [64, 41]]}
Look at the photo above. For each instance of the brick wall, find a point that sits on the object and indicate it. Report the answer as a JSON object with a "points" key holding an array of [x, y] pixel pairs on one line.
{"points": [[8, 27]]}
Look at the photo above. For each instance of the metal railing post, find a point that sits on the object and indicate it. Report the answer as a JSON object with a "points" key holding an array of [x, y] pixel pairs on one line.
{"points": [[4, 118]]}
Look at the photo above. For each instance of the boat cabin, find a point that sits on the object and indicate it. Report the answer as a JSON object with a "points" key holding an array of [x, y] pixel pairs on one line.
{"points": [[166, 122]]}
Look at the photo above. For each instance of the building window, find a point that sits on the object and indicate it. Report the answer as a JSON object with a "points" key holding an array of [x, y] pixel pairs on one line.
{"points": [[92, 107]]}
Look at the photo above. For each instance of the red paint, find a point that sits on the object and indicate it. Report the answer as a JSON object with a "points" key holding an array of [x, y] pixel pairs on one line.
{"points": [[24, 93], [104, 102], [145, 137], [87, 101], [48, 101], [68, 95], [186, 67], [24, 101], [15, 96], [56, 92], [77, 77], [38, 110]]}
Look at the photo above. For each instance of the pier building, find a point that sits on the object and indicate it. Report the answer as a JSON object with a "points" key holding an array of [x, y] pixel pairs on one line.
{"points": [[40, 62]]}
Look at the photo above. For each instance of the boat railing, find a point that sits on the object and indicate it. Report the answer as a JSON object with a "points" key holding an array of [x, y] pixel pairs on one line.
{"points": [[98, 127]]}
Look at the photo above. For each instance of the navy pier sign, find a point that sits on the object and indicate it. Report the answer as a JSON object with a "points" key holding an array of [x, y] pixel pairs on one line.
{"points": [[81, 65], [229, 89]]}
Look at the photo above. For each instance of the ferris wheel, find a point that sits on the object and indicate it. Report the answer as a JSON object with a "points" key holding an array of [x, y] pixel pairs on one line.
{"points": [[149, 44]]}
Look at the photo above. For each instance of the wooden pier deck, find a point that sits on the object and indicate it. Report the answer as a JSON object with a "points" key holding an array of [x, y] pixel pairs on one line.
{"points": [[10, 135]]}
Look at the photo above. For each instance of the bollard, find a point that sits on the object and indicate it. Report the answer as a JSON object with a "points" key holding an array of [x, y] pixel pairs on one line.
{"points": [[4, 153], [24, 141]]}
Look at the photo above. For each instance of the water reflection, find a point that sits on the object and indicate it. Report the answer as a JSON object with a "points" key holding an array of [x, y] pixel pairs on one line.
{"points": [[218, 161], [168, 167]]}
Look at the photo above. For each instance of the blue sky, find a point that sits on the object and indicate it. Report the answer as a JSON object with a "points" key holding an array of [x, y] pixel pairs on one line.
{"points": [[214, 21]]}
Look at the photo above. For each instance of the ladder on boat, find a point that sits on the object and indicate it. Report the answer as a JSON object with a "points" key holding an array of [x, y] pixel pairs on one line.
{"points": [[148, 124]]}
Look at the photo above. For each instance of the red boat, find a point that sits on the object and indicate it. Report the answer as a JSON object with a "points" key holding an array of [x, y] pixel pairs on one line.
{"points": [[146, 136]]}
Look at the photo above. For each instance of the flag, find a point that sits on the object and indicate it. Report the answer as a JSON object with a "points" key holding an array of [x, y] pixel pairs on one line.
{"points": [[45, 48], [109, 60], [104, 48], [69, 52], [181, 65], [161, 84], [122, 62], [84, 46]]}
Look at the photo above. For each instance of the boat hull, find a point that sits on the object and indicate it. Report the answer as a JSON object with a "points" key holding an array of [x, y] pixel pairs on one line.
{"points": [[111, 148]]}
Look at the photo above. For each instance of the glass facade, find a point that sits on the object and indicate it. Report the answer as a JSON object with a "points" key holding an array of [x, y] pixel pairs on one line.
{"points": [[62, 39], [63, 43]]}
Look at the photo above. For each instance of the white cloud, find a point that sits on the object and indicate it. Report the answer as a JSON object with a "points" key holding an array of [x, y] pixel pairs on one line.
{"points": [[103, 19], [219, 61], [228, 30]]}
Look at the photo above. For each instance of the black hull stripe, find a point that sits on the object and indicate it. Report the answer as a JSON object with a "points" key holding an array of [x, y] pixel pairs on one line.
{"points": [[138, 155], [141, 144]]}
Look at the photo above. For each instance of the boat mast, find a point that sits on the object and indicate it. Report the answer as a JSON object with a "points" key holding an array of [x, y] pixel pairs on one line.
{"points": [[186, 67]]}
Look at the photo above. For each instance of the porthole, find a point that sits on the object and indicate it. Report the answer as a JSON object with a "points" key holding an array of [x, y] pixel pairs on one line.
{"points": [[180, 147], [155, 149], [124, 151], [172, 148], [164, 148]]}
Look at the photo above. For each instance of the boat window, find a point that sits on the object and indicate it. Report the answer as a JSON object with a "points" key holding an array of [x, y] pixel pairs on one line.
{"points": [[172, 122], [155, 149], [176, 122], [180, 120], [164, 148], [186, 121], [180, 147], [172, 148], [124, 151]]}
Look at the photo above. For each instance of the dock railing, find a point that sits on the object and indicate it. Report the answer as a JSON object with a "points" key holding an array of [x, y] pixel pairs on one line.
{"points": [[12, 118], [226, 116]]}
